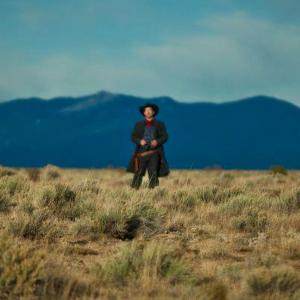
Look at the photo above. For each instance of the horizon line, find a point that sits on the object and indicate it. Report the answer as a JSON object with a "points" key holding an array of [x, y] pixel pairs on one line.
{"points": [[152, 98]]}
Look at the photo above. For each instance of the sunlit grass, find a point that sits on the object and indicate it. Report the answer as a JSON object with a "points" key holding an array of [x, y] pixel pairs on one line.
{"points": [[202, 234]]}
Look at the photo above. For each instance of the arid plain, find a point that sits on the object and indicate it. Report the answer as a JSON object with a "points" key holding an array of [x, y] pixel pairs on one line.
{"points": [[202, 234]]}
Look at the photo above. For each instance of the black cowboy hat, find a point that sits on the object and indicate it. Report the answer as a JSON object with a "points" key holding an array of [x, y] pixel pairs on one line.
{"points": [[154, 107]]}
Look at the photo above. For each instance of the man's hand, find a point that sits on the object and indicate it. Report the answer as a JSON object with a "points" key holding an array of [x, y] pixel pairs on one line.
{"points": [[142, 142], [154, 143]]}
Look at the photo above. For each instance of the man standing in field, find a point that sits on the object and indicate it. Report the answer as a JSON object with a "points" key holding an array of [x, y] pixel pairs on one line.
{"points": [[149, 135]]}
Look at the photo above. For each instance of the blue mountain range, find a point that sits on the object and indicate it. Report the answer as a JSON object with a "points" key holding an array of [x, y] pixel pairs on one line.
{"points": [[93, 131]]}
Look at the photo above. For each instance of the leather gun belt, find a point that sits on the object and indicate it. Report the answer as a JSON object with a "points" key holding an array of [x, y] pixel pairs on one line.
{"points": [[139, 154]]}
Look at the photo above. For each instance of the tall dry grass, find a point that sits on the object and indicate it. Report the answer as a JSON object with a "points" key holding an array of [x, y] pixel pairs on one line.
{"points": [[202, 234]]}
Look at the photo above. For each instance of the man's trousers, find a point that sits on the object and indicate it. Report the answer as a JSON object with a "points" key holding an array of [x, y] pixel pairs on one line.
{"points": [[148, 162]]}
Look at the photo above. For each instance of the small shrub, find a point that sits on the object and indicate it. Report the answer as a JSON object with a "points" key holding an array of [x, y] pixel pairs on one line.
{"points": [[6, 172], [184, 200], [114, 224], [252, 221], [224, 179], [90, 186], [35, 226], [13, 185], [33, 174], [71, 212], [266, 259], [21, 271], [52, 172], [216, 194], [231, 271], [288, 202], [237, 204], [86, 226], [155, 261], [27, 273], [282, 280], [214, 290], [278, 169], [121, 222], [60, 201], [27, 206], [291, 249], [5, 202]]}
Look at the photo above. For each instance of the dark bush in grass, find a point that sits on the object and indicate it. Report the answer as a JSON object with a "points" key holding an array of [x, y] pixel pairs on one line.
{"points": [[52, 174], [278, 169], [118, 226], [121, 222], [33, 174]]}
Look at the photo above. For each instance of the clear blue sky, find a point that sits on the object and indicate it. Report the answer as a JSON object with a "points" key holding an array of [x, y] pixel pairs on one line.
{"points": [[201, 50]]}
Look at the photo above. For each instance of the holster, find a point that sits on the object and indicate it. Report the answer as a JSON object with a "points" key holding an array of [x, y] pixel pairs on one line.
{"points": [[136, 160]]}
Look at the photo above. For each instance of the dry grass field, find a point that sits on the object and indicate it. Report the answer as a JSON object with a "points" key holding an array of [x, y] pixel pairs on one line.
{"points": [[202, 234]]}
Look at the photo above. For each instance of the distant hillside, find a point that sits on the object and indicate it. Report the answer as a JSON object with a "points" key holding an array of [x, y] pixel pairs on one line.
{"points": [[94, 131]]}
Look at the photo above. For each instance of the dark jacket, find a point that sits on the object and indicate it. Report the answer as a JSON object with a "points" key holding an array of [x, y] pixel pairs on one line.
{"points": [[160, 134]]}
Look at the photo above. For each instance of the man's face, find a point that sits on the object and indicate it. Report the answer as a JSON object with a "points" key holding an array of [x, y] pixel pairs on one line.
{"points": [[148, 112]]}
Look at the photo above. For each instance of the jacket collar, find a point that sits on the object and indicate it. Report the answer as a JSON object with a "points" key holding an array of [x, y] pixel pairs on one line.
{"points": [[153, 121]]}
